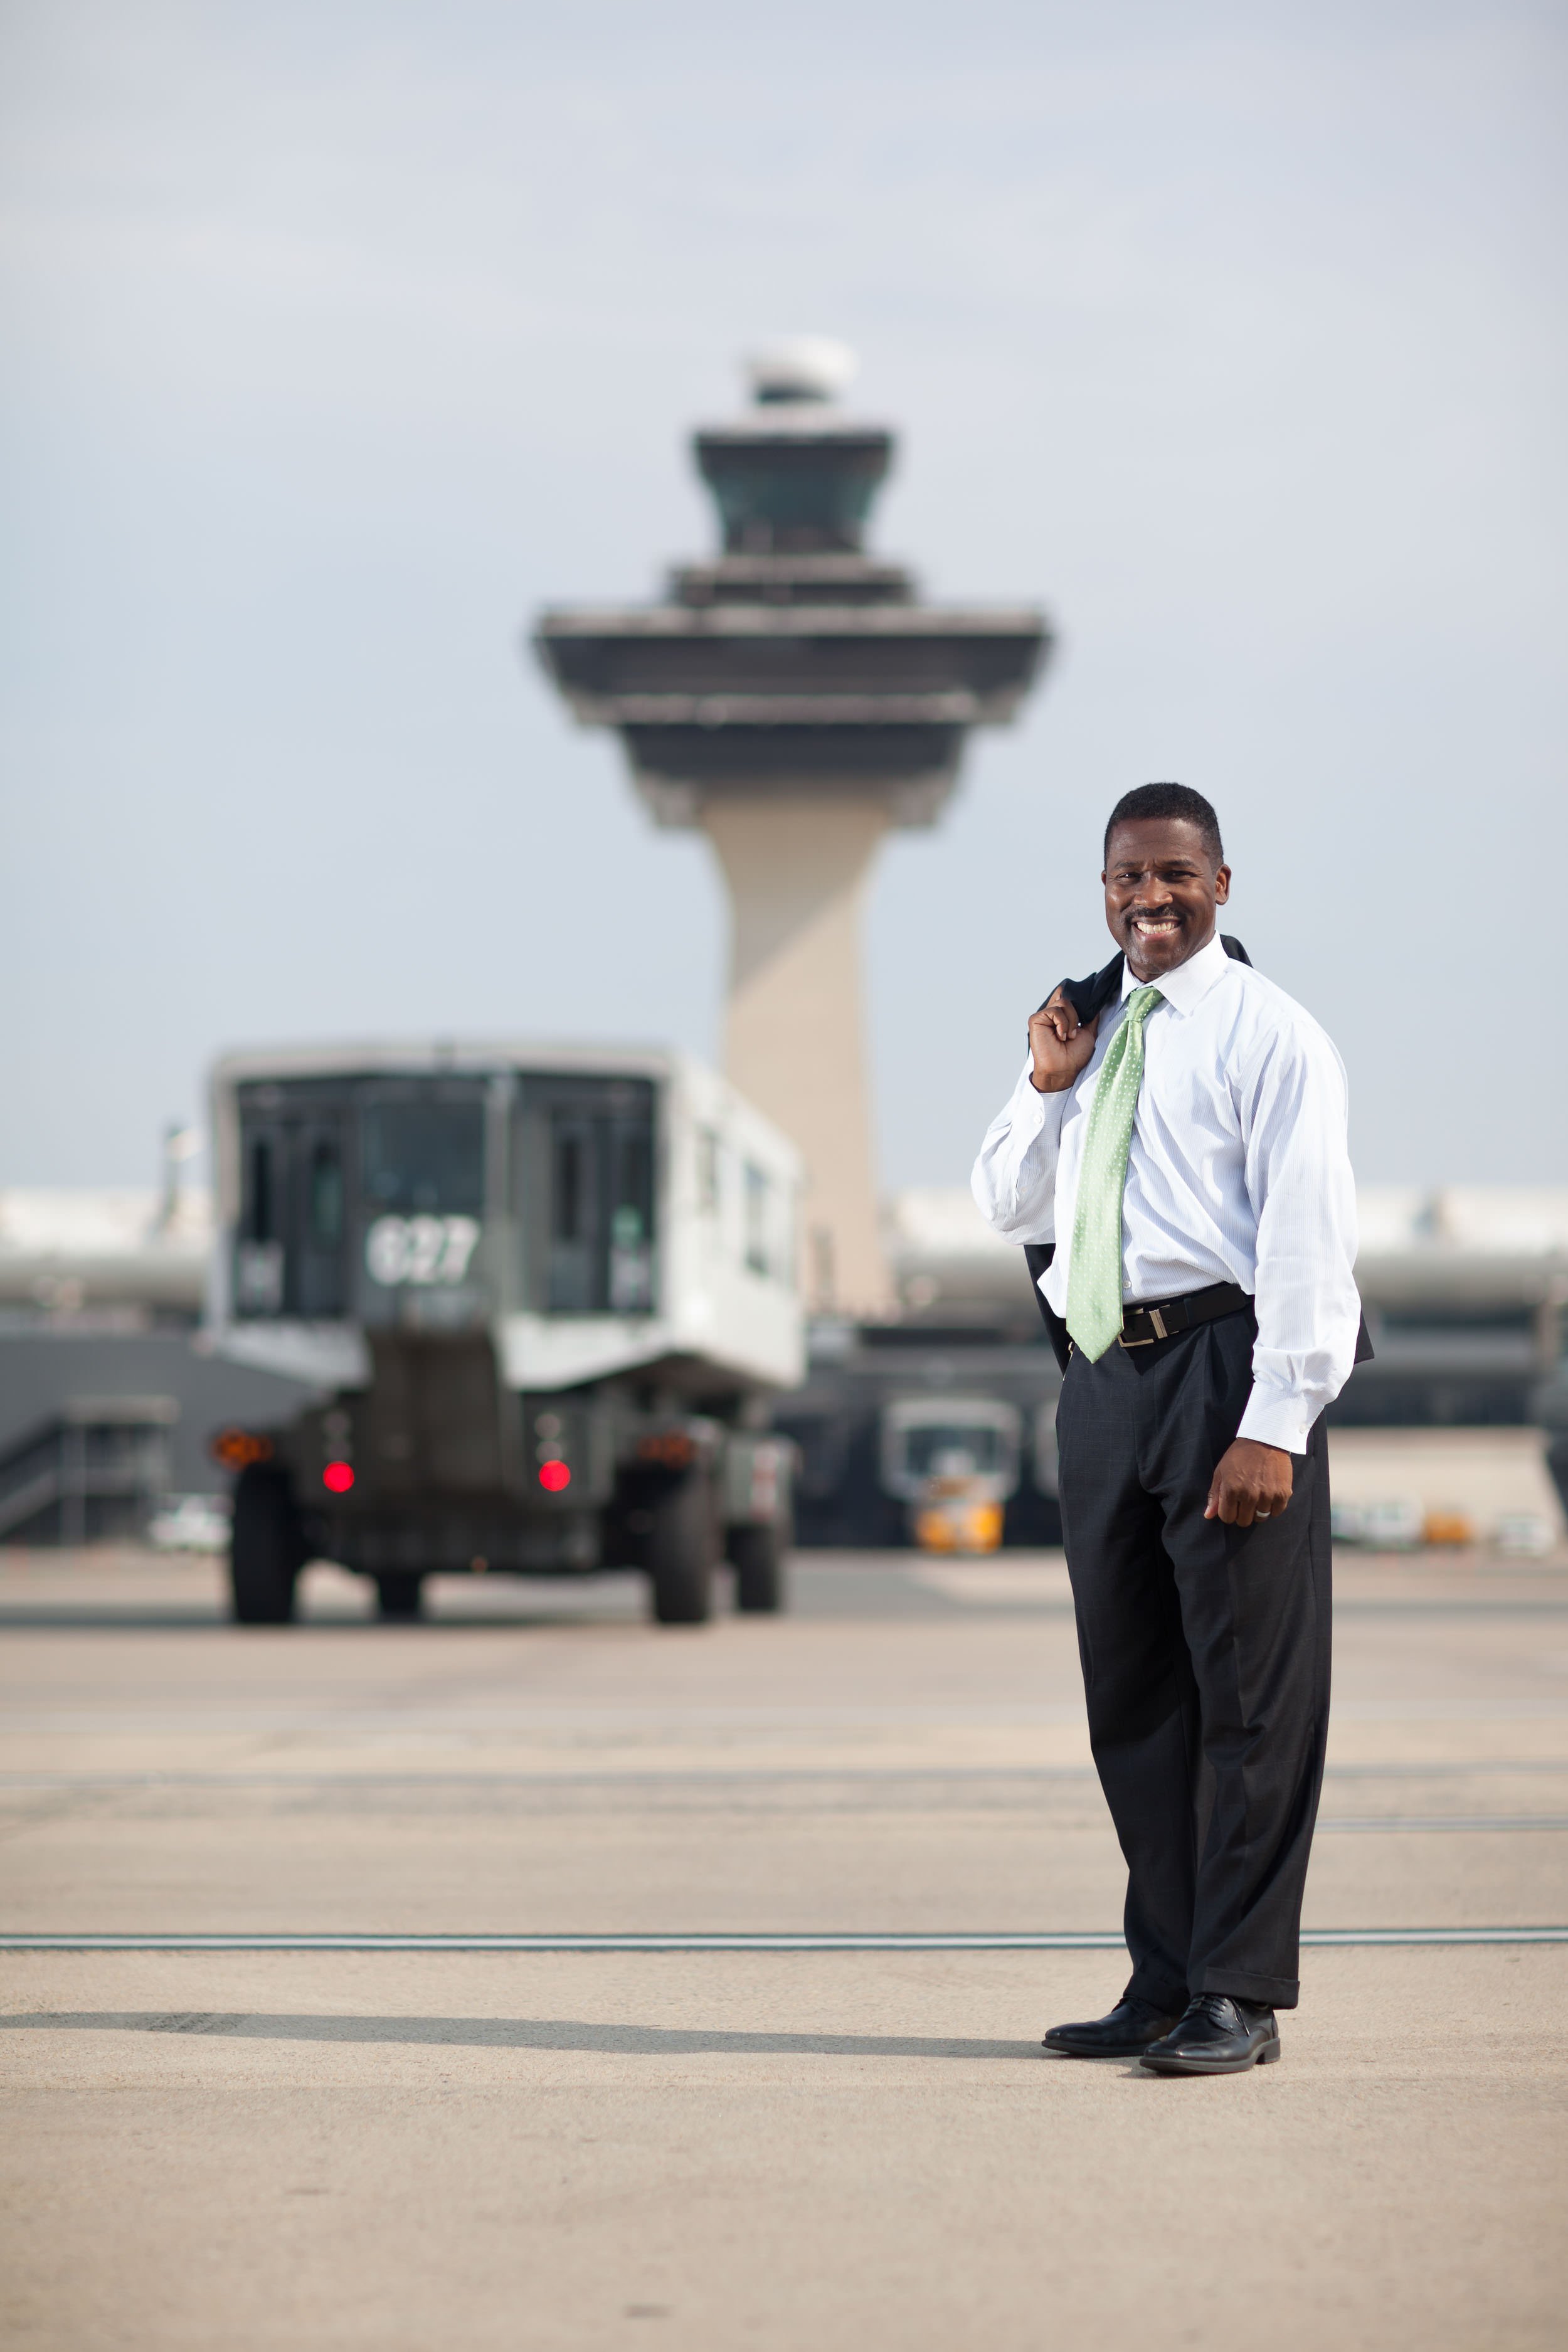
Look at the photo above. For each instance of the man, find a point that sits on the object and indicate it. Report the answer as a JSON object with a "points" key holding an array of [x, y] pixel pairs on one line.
{"points": [[1185, 1152]]}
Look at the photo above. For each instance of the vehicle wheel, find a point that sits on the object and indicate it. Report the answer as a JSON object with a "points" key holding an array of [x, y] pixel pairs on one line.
{"points": [[757, 1554], [682, 1550], [267, 1549], [400, 1596]]}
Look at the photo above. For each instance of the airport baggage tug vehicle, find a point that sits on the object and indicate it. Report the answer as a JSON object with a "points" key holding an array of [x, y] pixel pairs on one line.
{"points": [[544, 1296]]}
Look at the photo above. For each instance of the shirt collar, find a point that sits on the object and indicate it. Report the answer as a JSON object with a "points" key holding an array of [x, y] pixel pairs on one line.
{"points": [[1186, 988]]}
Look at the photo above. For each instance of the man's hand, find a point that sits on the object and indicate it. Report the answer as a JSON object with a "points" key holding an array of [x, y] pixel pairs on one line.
{"points": [[1060, 1044], [1252, 1482]]}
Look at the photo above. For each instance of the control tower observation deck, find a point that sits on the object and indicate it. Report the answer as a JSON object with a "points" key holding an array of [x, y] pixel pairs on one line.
{"points": [[796, 698]]}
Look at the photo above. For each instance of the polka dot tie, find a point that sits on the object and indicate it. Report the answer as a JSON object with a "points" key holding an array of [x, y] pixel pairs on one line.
{"points": [[1094, 1278]]}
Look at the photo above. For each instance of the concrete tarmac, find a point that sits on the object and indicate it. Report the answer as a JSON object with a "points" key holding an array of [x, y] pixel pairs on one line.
{"points": [[707, 2150]]}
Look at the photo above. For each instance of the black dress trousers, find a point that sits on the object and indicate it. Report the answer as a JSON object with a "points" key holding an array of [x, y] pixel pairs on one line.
{"points": [[1205, 1663]]}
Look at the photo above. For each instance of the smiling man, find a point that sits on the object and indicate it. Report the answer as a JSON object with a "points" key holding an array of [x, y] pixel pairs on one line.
{"points": [[1183, 1153]]}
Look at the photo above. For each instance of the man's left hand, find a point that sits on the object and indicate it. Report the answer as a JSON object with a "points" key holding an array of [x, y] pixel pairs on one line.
{"points": [[1253, 1482]]}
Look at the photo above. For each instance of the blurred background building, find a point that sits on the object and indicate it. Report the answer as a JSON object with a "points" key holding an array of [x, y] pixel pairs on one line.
{"points": [[108, 1403]]}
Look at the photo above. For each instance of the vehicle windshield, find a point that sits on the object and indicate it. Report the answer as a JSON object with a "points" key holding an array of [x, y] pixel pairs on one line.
{"points": [[938, 1449], [424, 1157]]}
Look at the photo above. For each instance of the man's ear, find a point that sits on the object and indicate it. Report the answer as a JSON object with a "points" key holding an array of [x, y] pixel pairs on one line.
{"points": [[1222, 886]]}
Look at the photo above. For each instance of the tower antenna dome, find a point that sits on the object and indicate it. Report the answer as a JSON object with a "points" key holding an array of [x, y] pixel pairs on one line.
{"points": [[801, 367]]}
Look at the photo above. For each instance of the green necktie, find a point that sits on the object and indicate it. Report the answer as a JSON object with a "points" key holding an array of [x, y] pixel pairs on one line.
{"points": [[1094, 1278]]}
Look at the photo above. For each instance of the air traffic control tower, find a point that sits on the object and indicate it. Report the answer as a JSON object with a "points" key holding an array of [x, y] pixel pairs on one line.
{"points": [[795, 698]]}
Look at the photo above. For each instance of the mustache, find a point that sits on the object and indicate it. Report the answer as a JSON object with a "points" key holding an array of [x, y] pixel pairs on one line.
{"points": [[1154, 915]]}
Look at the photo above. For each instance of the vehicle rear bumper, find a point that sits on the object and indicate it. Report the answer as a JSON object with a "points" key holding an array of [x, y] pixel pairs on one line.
{"points": [[457, 1542]]}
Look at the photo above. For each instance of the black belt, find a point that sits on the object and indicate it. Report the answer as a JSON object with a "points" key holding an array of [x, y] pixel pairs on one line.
{"points": [[1161, 1318]]}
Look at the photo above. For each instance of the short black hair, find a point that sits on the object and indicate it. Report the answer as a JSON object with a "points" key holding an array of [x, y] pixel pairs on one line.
{"points": [[1168, 800]]}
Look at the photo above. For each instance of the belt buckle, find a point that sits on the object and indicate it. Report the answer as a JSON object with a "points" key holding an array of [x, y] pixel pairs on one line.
{"points": [[1157, 1320]]}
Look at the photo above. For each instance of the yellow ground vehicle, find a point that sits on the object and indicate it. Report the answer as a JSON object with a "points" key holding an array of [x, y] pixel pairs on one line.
{"points": [[954, 1462]]}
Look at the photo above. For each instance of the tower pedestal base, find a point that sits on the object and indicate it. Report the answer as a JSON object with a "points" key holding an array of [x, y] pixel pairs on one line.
{"points": [[794, 1043]]}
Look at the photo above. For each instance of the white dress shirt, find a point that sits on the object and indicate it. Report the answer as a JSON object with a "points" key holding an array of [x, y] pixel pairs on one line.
{"points": [[1238, 1171]]}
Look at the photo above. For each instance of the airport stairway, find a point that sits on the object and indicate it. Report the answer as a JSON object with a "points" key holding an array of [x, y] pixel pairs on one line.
{"points": [[94, 1468]]}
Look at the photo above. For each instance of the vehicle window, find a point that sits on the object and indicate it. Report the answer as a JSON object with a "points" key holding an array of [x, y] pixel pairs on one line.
{"points": [[424, 1158], [587, 1157], [567, 1190], [757, 1195], [601, 1213], [258, 1218], [935, 1450], [634, 1182], [289, 1249], [707, 1170], [631, 1221], [326, 1195]]}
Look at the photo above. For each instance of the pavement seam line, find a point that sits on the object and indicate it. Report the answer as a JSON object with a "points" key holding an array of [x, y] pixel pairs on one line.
{"points": [[1027, 1940]]}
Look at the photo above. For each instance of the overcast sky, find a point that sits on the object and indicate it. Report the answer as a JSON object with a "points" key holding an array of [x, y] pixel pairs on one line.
{"points": [[338, 339]]}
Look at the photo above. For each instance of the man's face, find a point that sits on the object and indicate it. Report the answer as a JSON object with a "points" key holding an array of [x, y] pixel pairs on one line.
{"points": [[1161, 887]]}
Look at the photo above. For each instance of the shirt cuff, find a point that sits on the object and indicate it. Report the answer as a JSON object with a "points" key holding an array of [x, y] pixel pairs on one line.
{"points": [[1033, 1114], [1273, 1417]]}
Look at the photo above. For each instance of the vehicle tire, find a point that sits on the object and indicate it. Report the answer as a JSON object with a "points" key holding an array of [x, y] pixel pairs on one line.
{"points": [[267, 1549], [682, 1548], [400, 1597], [757, 1555]]}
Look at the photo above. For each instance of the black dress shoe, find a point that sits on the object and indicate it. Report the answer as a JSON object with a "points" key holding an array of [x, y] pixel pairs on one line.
{"points": [[1218, 2035], [1131, 2027]]}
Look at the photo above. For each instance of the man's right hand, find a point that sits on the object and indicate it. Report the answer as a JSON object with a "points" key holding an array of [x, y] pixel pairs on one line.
{"points": [[1059, 1043]]}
